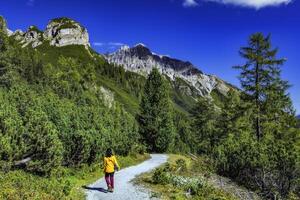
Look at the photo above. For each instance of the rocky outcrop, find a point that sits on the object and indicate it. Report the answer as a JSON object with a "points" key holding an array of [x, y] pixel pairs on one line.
{"points": [[32, 36], [107, 97], [59, 32], [64, 31], [141, 60]]}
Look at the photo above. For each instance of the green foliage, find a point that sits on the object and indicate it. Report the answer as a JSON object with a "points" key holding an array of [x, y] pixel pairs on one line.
{"points": [[160, 176], [170, 183], [65, 23], [252, 137], [182, 94], [259, 142], [204, 124], [181, 164], [260, 73], [54, 113], [63, 183], [2, 24], [184, 139], [156, 122]]}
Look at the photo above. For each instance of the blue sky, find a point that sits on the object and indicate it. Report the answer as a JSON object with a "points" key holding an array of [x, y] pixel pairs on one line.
{"points": [[208, 33]]}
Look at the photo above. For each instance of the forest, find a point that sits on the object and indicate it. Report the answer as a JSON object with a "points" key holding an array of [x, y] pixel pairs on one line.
{"points": [[54, 115]]}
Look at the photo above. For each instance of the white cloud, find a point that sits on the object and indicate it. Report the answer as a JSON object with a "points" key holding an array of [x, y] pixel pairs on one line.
{"points": [[189, 3], [257, 4], [98, 44], [30, 2], [115, 43], [108, 44]]}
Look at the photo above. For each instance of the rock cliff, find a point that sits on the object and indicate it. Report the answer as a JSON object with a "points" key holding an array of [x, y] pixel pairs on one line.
{"points": [[141, 60], [59, 32]]}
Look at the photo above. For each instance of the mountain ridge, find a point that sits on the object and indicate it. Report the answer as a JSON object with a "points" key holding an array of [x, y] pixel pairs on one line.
{"points": [[141, 59], [63, 32]]}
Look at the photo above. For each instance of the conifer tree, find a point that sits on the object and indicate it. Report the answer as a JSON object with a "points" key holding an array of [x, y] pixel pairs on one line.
{"points": [[234, 117], [257, 74], [204, 124], [156, 124]]}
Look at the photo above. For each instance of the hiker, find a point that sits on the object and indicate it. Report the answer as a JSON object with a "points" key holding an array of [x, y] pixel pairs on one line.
{"points": [[110, 165]]}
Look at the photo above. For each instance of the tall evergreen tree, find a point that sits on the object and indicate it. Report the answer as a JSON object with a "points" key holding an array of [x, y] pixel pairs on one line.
{"points": [[257, 74], [235, 116], [204, 124], [156, 124]]}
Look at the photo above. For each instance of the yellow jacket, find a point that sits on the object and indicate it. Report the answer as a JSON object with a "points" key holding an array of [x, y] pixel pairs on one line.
{"points": [[110, 163]]}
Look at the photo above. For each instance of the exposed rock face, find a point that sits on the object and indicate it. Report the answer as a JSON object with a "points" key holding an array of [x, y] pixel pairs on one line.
{"points": [[32, 36], [59, 32], [107, 96], [141, 60], [63, 31]]}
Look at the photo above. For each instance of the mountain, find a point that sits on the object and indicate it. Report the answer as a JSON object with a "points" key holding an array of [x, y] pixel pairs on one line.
{"points": [[298, 117], [141, 59], [59, 32], [68, 38]]}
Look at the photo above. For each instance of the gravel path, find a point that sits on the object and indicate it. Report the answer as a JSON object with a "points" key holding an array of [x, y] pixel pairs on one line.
{"points": [[124, 188]]}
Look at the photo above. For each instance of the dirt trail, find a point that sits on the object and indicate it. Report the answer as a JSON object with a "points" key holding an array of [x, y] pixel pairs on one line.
{"points": [[124, 188]]}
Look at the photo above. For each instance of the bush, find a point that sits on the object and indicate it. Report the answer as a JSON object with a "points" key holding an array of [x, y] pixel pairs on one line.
{"points": [[181, 165], [160, 176]]}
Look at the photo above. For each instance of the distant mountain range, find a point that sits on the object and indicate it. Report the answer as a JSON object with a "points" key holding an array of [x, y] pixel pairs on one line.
{"points": [[141, 59], [298, 117]]}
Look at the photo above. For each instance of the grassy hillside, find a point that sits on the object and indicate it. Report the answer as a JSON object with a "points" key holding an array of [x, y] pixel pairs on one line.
{"points": [[113, 78]]}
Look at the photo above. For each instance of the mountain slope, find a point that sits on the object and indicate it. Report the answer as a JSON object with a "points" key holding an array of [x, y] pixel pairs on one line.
{"points": [[124, 71]]}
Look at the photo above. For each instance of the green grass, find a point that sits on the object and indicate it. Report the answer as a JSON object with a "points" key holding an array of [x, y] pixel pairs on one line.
{"points": [[66, 23], [130, 102], [64, 183], [182, 102], [194, 168], [218, 98], [50, 54]]}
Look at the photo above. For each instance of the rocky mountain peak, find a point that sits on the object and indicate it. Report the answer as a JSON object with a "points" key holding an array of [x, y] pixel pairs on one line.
{"points": [[59, 32], [140, 50], [64, 31], [142, 60]]}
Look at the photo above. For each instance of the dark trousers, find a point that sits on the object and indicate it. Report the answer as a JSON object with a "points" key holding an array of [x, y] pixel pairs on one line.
{"points": [[109, 178]]}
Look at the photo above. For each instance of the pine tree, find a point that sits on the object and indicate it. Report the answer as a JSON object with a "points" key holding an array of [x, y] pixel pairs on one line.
{"points": [[235, 116], [275, 163], [204, 124], [257, 74], [156, 124]]}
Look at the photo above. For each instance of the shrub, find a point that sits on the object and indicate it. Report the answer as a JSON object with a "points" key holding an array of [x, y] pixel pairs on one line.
{"points": [[160, 176], [181, 165]]}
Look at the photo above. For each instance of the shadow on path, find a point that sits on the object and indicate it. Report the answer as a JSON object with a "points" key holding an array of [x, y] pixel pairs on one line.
{"points": [[95, 188]]}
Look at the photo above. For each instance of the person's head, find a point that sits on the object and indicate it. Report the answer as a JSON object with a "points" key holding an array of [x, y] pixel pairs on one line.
{"points": [[109, 152]]}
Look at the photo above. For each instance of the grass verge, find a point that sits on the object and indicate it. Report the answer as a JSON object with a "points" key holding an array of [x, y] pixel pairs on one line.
{"points": [[64, 183], [183, 178]]}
